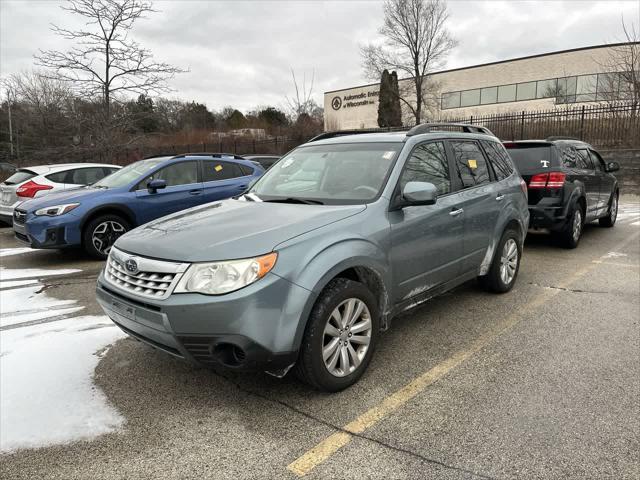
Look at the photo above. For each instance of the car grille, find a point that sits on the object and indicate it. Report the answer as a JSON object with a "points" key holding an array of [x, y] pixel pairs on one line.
{"points": [[141, 276], [19, 216]]}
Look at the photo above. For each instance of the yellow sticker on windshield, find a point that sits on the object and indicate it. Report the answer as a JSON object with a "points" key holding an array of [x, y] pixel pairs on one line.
{"points": [[473, 164], [217, 168]]}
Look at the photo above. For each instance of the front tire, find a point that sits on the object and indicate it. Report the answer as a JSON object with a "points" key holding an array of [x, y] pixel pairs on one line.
{"points": [[612, 215], [101, 233], [506, 264], [340, 337]]}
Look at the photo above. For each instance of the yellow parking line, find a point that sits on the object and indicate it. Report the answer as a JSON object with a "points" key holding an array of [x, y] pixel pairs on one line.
{"points": [[326, 448]]}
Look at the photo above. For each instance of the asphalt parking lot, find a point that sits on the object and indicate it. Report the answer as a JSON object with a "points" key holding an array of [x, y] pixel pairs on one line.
{"points": [[542, 382]]}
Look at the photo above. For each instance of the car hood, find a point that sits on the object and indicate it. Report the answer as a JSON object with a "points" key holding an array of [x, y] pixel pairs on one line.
{"points": [[77, 195], [230, 229]]}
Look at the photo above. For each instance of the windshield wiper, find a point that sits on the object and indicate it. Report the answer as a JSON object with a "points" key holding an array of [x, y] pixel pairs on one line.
{"points": [[306, 201]]}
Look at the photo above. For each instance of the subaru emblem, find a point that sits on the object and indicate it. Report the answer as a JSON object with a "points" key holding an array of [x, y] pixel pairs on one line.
{"points": [[131, 266]]}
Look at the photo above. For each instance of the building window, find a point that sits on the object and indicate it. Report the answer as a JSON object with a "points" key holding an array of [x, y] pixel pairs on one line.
{"points": [[526, 91], [581, 88], [450, 100], [507, 93], [470, 98], [489, 95], [547, 88], [586, 88]]}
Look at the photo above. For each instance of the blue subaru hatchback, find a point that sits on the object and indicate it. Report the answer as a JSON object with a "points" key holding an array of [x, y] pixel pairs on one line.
{"points": [[95, 216]]}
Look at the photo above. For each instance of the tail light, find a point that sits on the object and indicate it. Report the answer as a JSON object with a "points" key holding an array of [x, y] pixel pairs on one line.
{"points": [[30, 189], [547, 180], [523, 186]]}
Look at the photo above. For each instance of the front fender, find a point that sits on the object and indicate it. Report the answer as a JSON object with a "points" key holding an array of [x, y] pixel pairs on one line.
{"points": [[315, 267]]}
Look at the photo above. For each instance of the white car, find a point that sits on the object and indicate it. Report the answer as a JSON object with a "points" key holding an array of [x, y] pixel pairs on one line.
{"points": [[32, 182]]}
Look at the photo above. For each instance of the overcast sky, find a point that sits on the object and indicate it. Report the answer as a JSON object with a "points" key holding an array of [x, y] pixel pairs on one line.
{"points": [[240, 53]]}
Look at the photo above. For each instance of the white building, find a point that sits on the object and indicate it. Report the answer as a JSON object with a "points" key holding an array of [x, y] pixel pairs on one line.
{"points": [[536, 82]]}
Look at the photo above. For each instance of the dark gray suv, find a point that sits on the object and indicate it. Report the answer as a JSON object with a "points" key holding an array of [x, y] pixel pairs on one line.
{"points": [[309, 265]]}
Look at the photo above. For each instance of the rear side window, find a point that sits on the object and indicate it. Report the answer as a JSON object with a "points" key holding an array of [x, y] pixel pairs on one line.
{"points": [[570, 157], [59, 177], [214, 171], [246, 170], [470, 163], [19, 177], [428, 163], [85, 176], [531, 157], [499, 159]]}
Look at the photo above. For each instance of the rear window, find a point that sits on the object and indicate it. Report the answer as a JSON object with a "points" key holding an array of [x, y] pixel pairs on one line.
{"points": [[19, 177], [530, 158]]}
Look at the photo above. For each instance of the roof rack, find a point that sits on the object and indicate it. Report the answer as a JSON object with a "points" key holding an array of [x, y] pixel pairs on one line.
{"points": [[157, 155], [560, 137], [465, 127], [340, 133], [208, 154]]}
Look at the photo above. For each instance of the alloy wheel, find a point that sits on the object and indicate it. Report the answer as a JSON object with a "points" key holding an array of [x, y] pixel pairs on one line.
{"points": [[577, 225], [346, 338], [106, 234], [509, 261], [613, 211]]}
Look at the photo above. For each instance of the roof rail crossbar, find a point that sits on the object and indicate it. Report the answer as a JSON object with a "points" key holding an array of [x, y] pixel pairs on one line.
{"points": [[340, 133], [465, 127], [209, 154]]}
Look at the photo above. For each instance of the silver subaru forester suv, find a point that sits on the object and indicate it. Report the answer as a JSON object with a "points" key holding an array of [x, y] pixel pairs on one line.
{"points": [[308, 266]]}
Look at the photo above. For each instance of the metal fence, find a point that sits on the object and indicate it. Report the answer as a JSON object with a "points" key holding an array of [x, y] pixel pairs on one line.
{"points": [[604, 126], [615, 125]]}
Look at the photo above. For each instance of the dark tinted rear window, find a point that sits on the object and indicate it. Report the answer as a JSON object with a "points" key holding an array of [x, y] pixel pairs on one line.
{"points": [[531, 157], [19, 177]]}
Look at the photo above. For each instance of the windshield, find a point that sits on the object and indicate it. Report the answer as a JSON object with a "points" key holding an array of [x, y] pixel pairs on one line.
{"points": [[128, 174], [334, 174]]}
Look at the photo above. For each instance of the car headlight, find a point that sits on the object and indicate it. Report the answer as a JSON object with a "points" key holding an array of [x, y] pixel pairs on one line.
{"points": [[217, 278], [56, 210]]}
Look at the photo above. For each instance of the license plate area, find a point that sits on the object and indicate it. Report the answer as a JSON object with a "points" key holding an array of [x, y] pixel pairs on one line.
{"points": [[6, 198], [126, 311]]}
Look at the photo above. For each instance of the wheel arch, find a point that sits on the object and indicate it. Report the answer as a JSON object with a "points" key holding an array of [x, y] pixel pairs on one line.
{"points": [[108, 209]]}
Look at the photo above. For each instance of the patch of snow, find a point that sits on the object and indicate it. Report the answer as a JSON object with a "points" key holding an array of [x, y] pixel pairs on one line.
{"points": [[17, 273], [47, 393], [17, 283], [7, 252], [25, 304], [614, 255]]}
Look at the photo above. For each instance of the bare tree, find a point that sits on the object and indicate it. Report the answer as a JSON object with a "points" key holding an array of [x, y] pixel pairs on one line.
{"points": [[302, 102], [623, 80], [104, 60], [416, 42]]}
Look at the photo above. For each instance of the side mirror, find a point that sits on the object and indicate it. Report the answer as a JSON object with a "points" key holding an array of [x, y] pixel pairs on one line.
{"points": [[154, 185], [419, 193], [613, 167]]}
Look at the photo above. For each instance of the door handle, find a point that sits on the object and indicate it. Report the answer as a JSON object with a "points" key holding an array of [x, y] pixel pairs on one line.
{"points": [[500, 197], [455, 213], [195, 192], [243, 187]]}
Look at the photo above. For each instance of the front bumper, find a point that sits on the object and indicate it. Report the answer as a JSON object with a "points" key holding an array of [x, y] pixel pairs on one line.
{"points": [[251, 329], [48, 232]]}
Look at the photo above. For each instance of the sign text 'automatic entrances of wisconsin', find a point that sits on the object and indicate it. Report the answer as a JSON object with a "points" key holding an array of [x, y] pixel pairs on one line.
{"points": [[355, 100]]}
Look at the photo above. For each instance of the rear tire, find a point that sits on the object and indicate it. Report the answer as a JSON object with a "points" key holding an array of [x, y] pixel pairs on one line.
{"points": [[569, 236], [337, 347], [505, 265], [100, 234], [610, 220]]}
